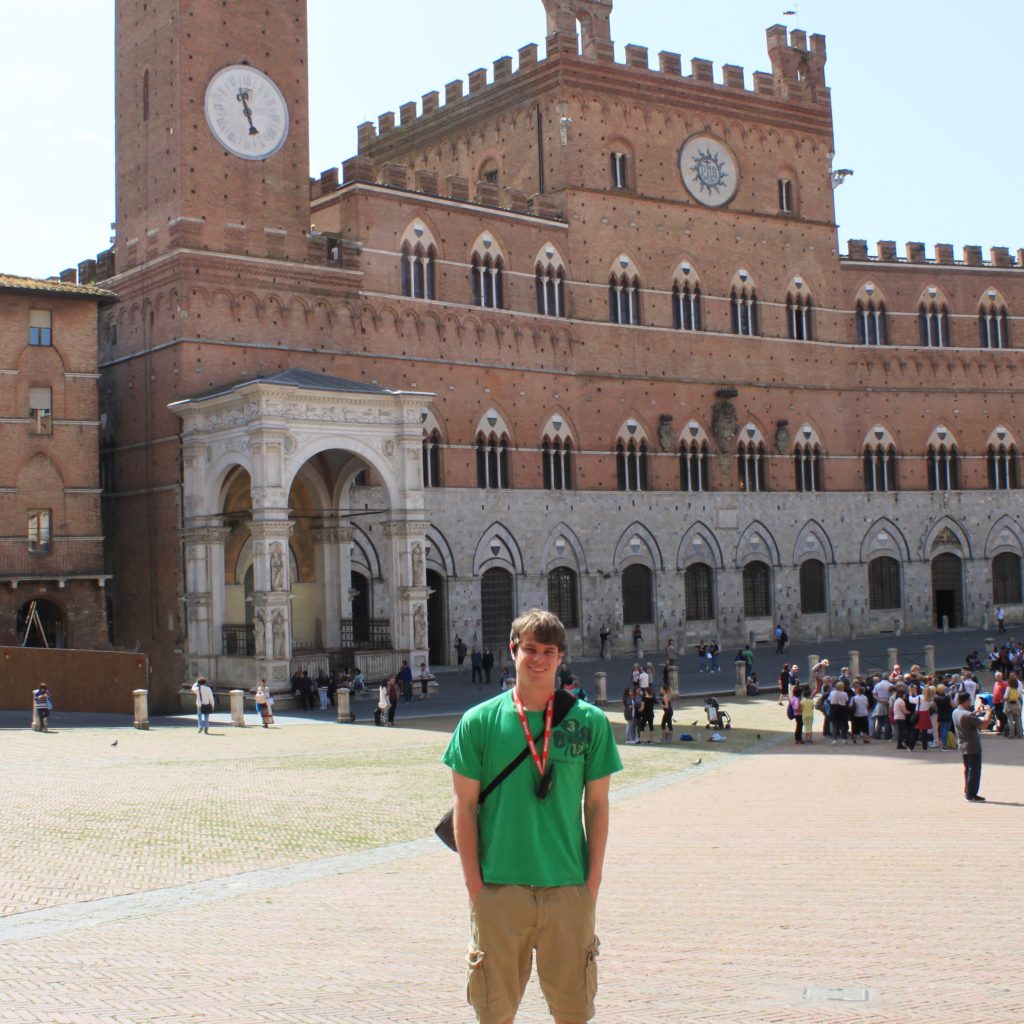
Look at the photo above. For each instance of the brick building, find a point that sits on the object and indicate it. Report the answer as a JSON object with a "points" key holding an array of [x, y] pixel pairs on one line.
{"points": [[580, 335], [51, 548]]}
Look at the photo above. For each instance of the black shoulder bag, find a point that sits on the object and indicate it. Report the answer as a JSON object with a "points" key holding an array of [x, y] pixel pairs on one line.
{"points": [[445, 828]]}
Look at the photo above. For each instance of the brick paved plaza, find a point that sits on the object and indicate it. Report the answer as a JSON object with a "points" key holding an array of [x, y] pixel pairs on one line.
{"points": [[290, 876]]}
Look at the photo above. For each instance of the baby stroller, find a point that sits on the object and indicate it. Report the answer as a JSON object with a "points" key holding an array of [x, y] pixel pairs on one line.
{"points": [[717, 718]]}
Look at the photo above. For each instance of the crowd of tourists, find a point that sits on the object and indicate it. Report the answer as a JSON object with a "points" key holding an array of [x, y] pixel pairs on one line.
{"points": [[640, 704], [912, 708]]}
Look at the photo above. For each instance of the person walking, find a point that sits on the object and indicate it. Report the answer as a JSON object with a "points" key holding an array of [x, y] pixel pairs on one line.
{"points": [[487, 664], [382, 704], [322, 690], [460, 652], [604, 634], [476, 661], [531, 861], [264, 704], [794, 712], [1012, 703], [629, 714], [666, 714], [205, 701], [43, 705], [404, 679], [784, 684], [859, 712], [393, 694], [944, 715], [638, 642], [968, 735], [1001, 619]]}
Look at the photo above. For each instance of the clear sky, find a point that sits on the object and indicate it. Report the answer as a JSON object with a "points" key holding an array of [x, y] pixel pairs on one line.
{"points": [[926, 102]]}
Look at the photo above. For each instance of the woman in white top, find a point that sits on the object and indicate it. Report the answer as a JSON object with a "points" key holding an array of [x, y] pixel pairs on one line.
{"points": [[264, 704], [839, 717], [204, 703]]}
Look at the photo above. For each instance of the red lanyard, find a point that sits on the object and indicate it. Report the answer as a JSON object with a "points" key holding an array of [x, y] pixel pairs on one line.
{"points": [[540, 761]]}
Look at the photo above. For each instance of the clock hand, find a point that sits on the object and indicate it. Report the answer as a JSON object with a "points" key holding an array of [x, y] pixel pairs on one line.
{"points": [[243, 98]]}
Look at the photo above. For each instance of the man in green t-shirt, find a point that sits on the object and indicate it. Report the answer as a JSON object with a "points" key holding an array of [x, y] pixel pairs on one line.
{"points": [[532, 861]]}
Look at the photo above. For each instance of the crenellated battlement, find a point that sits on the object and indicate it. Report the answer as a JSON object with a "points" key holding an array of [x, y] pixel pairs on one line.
{"points": [[943, 255], [797, 75], [402, 177]]}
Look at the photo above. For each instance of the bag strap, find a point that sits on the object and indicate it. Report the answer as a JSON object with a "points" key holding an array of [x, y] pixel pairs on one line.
{"points": [[564, 702]]}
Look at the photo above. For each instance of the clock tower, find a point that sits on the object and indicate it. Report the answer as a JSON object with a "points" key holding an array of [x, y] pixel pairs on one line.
{"points": [[212, 129]]}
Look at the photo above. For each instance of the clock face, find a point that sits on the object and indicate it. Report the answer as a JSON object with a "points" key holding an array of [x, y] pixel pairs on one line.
{"points": [[709, 170], [246, 112]]}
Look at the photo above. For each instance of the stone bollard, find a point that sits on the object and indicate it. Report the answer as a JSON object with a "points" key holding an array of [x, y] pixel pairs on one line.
{"points": [[673, 680], [812, 660], [141, 709], [37, 726], [741, 678], [945, 623], [929, 659], [894, 658], [343, 696], [601, 688], [238, 708], [854, 657]]}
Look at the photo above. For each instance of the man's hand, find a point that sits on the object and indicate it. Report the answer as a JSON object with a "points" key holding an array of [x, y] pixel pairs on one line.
{"points": [[593, 884]]}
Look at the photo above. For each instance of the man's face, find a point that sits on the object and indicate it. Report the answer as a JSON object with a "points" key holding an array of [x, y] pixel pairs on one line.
{"points": [[536, 662]]}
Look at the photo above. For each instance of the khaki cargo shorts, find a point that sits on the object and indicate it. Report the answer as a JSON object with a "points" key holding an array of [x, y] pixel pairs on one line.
{"points": [[509, 922]]}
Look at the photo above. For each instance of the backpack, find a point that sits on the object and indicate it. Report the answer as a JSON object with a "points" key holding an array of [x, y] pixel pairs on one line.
{"points": [[790, 713]]}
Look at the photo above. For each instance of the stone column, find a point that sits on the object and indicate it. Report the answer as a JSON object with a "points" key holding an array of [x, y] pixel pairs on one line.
{"points": [[812, 660], [141, 699], [342, 696], [673, 679], [929, 659], [409, 586], [601, 688], [894, 658], [272, 614], [329, 540], [854, 657], [204, 593], [237, 698], [741, 678]]}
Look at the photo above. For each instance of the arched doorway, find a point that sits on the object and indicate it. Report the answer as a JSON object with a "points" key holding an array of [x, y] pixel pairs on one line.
{"points": [[46, 628], [497, 608], [437, 618], [947, 589]]}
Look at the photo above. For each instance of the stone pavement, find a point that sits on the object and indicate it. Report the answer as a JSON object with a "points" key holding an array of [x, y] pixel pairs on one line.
{"points": [[288, 875]]}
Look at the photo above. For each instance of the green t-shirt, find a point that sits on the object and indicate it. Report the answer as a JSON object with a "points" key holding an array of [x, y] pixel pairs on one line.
{"points": [[524, 840]]}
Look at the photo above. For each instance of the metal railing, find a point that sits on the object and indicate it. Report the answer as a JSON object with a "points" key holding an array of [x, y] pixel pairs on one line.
{"points": [[238, 639], [366, 634]]}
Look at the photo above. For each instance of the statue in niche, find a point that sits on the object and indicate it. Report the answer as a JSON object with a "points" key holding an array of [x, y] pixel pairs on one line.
{"points": [[665, 437], [419, 627], [277, 630], [417, 565], [276, 567], [782, 437], [259, 628], [724, 423]]}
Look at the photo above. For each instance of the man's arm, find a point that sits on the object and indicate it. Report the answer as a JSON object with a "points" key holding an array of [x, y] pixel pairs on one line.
{"points": [[595, 818], [467, 799]]}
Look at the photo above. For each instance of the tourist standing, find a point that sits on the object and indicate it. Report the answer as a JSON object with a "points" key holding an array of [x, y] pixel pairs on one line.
{"points": [[42, 704], [968, 735], [264, 704], [205, 702], [533, 855]]}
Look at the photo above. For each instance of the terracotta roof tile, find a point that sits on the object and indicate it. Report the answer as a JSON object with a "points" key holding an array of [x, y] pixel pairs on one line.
{"points": [[13, 283]]}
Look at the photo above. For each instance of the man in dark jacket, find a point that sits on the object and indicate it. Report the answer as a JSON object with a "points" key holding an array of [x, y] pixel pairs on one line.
{"points": [[968, 734], [487, 663]]}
